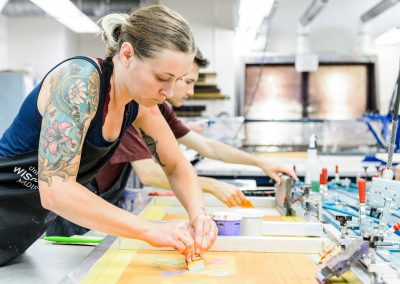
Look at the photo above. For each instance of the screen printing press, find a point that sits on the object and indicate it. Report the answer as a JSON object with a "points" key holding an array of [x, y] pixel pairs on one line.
{"points": [[306, 237]]}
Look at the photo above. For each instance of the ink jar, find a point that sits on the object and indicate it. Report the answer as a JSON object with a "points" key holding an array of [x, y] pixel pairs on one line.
{"points": [[252, 222], [228, 223]]}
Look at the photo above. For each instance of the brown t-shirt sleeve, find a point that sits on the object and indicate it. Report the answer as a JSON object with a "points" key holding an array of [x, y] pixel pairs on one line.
{"points": [[176, 125], [133, 148]]}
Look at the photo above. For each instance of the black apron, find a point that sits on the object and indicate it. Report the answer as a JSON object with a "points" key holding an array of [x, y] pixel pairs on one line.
{"points": [[22, 218]]}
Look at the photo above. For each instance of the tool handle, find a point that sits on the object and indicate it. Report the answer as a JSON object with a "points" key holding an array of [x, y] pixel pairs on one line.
{"points": [[361, 190], [82, 239]]}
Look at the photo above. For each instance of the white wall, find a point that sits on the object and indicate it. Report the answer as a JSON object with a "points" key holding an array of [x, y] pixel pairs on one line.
{"points": [[90, 45], [40, 43], [3, 43], [388, 69], [36, 43], [389, 55]]}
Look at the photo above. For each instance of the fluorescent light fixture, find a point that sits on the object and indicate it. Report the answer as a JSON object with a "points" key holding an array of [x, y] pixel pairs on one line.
{"points": [[378, 9], [312, 11], [392, 36], [69, 15], [252, 12], [251, 16], [2, 4]]}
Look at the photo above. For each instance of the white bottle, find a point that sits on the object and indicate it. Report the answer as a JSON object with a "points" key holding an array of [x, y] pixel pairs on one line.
{"points": [[313, 167]]}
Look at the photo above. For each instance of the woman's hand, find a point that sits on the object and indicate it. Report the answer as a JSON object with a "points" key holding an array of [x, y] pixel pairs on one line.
{"points": [[172, 234], [204, 232]]}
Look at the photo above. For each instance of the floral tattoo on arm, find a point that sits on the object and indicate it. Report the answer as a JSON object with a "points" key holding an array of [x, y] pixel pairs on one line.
{"points": [[74, 95]]}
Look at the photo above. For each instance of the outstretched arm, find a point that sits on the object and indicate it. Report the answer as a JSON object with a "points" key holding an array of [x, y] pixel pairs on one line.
{"points": [[223, 152], [151, 174]]}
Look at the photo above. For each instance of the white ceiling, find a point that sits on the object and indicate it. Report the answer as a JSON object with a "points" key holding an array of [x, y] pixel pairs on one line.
{"points": [[338, 21]]}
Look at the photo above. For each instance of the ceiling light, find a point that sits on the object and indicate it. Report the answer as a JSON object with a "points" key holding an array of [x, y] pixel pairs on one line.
{"points": [[252, 12], [2, 4], [69, 15], [377, 10], [392, 36], [312, 11]]}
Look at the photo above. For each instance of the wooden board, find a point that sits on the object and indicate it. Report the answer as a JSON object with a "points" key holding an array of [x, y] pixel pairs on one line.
{"points": [[141, 266], [221, 268], [168, 267]]}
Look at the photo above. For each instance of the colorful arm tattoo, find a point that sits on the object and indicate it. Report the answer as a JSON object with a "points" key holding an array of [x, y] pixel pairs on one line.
{"points": [[73, 100], [152, 145]]}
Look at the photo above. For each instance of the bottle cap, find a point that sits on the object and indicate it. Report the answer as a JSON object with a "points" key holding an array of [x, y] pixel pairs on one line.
{"points": [[323, 179]]}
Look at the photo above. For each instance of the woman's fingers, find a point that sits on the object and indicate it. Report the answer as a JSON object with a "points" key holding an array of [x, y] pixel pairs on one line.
{"points": [[189, 249], [180, 247], [212, 236]]}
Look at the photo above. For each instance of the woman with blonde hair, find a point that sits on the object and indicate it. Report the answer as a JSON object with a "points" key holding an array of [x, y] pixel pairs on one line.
{"points": [[71, 123]]}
